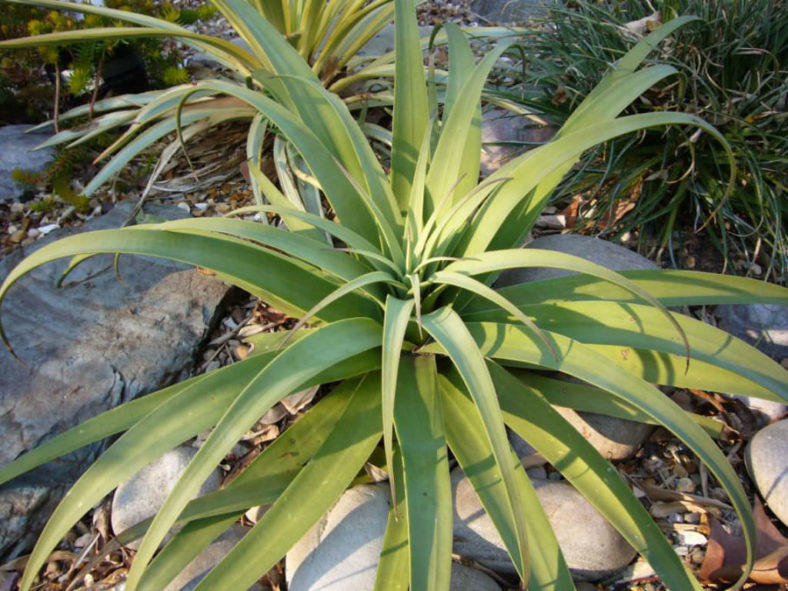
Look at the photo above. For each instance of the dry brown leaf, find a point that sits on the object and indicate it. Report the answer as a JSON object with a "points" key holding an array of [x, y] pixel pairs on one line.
{"points": [[726, 553]]}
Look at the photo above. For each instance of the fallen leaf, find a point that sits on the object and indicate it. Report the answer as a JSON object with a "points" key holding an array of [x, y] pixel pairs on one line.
{"points": [[726, 553]]}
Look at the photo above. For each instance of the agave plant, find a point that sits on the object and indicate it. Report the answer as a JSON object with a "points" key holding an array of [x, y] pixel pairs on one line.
{"points": [[424, 353]]}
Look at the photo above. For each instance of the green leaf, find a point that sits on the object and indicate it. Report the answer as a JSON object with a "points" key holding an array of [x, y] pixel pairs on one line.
{"points": [[145, 21], [310, 495], [561, 445], [267, 477], [447, 329], [465, 434], [411, 112], [289, 286], [419, 421], [641, 327], [500, 224], [452, 171], [671, 287], [587, 398], [394, 566], [480, 289], [671, 370], [534, 257], [293, 366], [506, 341], [396, 317]]}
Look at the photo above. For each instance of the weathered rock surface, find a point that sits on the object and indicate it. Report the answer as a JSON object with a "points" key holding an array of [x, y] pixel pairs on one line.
{"points": [[613, 438], [383, 42], [592, 548], [595, 250], [506, 135], [767, 462], [17, 154], [142, 495], [194, 572], [88, 348], [342, 550], [763, 325], [507, 11]]}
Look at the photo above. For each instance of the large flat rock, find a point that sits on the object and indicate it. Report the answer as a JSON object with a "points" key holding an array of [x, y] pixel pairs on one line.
{"points": [[87, 348], [18, 153]]}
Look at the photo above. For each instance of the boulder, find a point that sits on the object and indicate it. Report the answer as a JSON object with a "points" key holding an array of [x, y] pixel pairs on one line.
{"points": [[595, 250], [506, 135], [342, 550], [142, 495], [87, 348], [767, 463], [593, 549], [509, 11], [764, 326], [18, 154], [194, 572]]}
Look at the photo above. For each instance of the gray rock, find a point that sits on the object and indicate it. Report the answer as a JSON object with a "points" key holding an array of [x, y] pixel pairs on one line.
{"points": [[595, 250], [464, 578], [506, 135], [196, 570], [763, 325], [341, 551], [17, 154], [593, 549], [142, 495], [613, 438], [383, 42], [86, 349], [767, 463], [507, 11]]}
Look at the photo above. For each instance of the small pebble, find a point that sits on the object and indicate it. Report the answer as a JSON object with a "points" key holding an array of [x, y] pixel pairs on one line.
{"points": [[675, 518], [201, 206], [697, 555], [46, 229], [691, 538], [184, 206], [685, 485]]}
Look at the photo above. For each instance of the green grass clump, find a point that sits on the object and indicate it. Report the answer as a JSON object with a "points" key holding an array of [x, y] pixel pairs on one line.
{"points": [[733, 71]]}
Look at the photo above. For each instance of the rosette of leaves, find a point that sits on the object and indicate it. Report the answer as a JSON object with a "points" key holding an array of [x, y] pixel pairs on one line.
{"points": [[326, 37], [733, 73], [424, 353]]}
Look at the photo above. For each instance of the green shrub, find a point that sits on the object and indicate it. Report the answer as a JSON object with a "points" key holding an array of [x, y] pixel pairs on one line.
{"points": [[732, 71], [422, 351], [25, 70]]}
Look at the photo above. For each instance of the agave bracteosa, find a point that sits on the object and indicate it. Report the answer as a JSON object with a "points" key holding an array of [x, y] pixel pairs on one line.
{"points": [[427, 355]]}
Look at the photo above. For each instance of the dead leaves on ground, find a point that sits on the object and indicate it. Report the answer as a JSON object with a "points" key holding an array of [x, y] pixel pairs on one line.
{"points": [[726, 553]]}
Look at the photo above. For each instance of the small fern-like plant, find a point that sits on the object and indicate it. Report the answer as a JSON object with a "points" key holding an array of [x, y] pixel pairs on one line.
{"points": [[427, 358]]}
